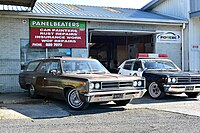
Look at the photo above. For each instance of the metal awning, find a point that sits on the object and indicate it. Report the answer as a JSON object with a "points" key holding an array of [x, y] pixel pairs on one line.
{"points": [[103, 32], [26, 3]]}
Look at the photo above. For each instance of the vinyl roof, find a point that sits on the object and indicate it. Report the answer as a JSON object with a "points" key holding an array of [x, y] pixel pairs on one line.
{"points": [[58, 10]]}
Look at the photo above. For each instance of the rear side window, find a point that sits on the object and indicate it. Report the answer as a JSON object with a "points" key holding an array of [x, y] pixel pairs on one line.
{"points": [[128, 65], [32, 66]]}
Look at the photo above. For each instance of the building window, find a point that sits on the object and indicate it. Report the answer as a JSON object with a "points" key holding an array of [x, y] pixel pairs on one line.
{"points": [[27, 54]]}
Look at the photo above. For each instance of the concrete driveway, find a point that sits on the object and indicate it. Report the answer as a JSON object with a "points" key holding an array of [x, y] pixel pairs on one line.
{"points": [[20, 106], [171, 103]]}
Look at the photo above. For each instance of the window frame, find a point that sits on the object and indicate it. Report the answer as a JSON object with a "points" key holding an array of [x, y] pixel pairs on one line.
{"points": [[132, 64], [26, 69]]}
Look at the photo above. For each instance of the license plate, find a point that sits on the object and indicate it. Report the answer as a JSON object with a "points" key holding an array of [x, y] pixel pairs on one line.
{"points": [[117, 96], [189, 88]]}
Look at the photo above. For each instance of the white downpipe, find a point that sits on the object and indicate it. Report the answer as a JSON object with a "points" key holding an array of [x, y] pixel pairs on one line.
{"points": [[46, 53], [182, 52]]}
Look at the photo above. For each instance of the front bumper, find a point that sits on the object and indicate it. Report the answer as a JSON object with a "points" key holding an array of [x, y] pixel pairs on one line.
{"points": [[182, 88], [114, 95]]}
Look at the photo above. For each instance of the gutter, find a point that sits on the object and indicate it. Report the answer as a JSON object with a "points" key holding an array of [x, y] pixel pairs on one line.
{"points": [[26, 15]]}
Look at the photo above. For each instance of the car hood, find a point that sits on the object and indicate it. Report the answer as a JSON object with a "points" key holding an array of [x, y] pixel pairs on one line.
{"points": [[103, 77], [173, 73]]}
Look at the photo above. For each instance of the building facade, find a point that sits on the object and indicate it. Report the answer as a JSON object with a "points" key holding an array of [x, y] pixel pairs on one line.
{"points": [[185, 9], [110, 35]]}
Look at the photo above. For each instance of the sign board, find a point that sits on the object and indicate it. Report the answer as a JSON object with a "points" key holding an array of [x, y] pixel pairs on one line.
{"points": [[57, 34], [168, 37]]}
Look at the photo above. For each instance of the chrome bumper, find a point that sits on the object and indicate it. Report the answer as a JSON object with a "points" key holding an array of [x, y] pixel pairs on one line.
{"points": [[182, 88], [111, 95]]}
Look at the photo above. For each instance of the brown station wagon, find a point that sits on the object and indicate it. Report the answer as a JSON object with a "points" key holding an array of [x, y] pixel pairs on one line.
{"points": [[79, 81]]}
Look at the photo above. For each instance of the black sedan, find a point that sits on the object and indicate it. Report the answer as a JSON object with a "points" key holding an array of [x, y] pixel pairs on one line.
{"points": [[162, 76]]}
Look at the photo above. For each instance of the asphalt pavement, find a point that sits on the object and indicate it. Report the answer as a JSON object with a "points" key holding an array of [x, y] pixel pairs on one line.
{"points": [[21, 106]]}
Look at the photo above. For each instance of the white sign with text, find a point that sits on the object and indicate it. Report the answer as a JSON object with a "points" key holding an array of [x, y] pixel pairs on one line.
{"points": [[168, 37]]}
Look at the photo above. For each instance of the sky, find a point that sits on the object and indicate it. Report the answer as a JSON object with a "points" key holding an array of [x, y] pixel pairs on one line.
{"points": [[109, 3]]}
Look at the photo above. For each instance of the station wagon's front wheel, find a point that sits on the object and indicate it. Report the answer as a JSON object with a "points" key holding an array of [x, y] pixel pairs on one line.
{"points": [[155, 92], [32, 91], [74, 101]]}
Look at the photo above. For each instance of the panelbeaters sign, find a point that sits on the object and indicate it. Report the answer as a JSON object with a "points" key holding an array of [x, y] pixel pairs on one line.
{"points": [[57, 34]]}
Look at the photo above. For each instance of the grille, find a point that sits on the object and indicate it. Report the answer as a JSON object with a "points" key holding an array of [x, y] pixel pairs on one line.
{"points": [[116, 84], [188, 79]]}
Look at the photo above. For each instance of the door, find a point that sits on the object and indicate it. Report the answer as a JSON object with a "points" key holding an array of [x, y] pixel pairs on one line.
{"points": [[127, 68], [49, 77]]}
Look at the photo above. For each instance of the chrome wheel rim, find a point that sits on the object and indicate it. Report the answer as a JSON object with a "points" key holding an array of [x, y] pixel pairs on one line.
{"points": [[32, 90], [74, 99], [154, 90]]}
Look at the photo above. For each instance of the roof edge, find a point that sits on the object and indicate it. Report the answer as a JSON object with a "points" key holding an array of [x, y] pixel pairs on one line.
{"points": [[116, 20], [152, 4]]}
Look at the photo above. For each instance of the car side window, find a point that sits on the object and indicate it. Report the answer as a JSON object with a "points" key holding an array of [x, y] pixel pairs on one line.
{"points": [[54, 66], [137, 65], [32, 66], [128, 65], [48, 67]]}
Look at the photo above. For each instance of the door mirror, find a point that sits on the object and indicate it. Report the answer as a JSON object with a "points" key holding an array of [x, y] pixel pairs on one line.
{"points": [[140, 69], [53, 72]]}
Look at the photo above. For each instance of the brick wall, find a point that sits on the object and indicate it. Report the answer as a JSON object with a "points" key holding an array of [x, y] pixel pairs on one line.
{"points": [[11, 31]]}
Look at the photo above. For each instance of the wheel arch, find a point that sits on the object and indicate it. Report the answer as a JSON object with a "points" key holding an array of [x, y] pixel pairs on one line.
{"points": [[67, 88]]}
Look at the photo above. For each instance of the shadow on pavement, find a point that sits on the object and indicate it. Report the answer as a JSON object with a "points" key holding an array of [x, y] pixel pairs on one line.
{"points": [[20, 105], [167, 99]]}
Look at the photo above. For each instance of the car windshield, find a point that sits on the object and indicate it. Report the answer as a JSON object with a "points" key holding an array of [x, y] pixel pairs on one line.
{"points": [[160, 65], [83, 66]]}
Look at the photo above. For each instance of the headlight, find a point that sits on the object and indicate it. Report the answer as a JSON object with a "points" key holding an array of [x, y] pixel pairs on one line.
{"points": [[97, 86], [169, 80], [139, 83], [135, 83], [91, 86], [173, 80]]}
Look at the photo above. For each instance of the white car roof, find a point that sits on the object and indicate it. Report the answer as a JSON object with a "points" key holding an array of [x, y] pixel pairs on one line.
{"points": [[146, 59]]}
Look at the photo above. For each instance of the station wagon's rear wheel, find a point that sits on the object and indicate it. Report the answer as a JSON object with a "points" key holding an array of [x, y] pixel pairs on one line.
{"points": [[192, 94], [155, 92], [32, 91], [122, 102], [74, 101]]}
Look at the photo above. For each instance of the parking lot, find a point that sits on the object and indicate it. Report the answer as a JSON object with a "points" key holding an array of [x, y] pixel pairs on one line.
{"points": [[19, 113], [20, 106]]}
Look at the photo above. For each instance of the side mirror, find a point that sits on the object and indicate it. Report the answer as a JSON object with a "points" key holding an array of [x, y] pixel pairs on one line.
{"points": [[140, 69], [53, 72]]}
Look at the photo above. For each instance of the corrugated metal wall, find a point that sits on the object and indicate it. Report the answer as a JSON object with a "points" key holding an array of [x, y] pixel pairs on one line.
{"points": [[195, 5], [194, 40], [169, 7], [178, 8]]}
